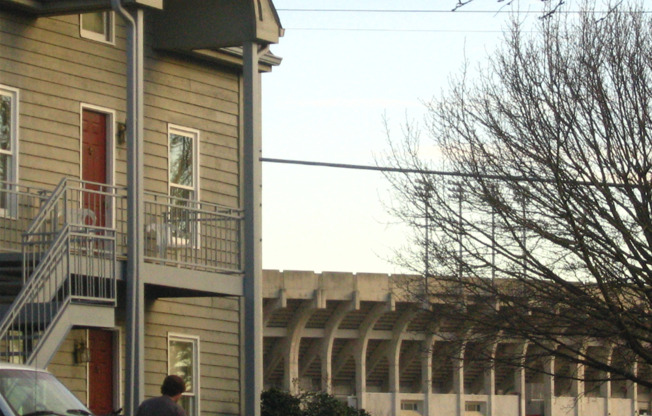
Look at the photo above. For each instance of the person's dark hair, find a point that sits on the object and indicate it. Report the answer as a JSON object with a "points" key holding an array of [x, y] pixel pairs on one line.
{"points": [[173, 385]]}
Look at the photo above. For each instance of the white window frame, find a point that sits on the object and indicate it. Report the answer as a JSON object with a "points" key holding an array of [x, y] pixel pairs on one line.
{"points": [[12, 177], [109, 29], [195, 396], [194, 135], [194, 240]]}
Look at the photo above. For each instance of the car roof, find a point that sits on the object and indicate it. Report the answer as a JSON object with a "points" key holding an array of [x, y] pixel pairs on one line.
{"points": [[10, 366]]}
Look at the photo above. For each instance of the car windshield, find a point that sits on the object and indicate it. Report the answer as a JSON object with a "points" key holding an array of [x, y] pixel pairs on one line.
{"points": [[36, 393]]}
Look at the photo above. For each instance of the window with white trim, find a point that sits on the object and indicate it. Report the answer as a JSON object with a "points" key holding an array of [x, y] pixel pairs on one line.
{"points": [[183, 361], [182, 156], [97, 26], [8, 148], [183, 168]]}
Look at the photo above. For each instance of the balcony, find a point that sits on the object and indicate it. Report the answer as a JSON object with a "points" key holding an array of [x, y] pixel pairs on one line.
{"points": [[186, 234]]}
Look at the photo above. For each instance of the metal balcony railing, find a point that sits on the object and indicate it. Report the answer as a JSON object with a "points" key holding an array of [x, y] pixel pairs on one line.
{"points": [[179, 232], [18, 207], [68, 255], [192, 234]]}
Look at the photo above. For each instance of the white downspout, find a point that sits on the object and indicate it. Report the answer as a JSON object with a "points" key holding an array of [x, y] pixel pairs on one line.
{"points": [[135, 338]]}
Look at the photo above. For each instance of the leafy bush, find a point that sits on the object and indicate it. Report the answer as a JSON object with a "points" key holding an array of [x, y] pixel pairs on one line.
{"points": [[276, 402]]}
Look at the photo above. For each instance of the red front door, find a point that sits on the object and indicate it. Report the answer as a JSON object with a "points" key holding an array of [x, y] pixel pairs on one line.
{"points": [[94, 162], [100, 371]]}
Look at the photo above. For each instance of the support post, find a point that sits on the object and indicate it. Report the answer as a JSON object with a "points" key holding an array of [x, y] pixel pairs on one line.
{"points": [[135, 322], [426, 373], [549, 386], [253, 270]]}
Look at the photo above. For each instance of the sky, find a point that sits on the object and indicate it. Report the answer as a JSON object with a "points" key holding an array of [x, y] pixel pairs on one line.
{"points": [[342, 74]]}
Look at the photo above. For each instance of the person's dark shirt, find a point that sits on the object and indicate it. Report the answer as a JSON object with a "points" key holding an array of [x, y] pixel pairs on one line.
{"points": [[160, 406]]}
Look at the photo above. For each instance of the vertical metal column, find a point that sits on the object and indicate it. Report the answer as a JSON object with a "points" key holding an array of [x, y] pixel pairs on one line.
{"points": [[253, 296], [135, 337]]}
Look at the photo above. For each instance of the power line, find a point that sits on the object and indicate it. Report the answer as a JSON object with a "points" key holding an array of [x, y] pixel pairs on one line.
{"points": [[392, 169], [433, 11], [435, 172], [336, 29]]}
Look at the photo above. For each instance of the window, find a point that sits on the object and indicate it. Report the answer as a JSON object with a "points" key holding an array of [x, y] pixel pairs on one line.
{"points": [[97, 26], [183, 186], [8, 148], [473, 407], [183, 360], [410, 406], [183, 162]]}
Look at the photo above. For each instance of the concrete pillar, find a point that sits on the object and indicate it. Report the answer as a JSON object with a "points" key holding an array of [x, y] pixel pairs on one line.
{"points": [[519, 379], [361, 377], [458, 381], [549, 385], [578, 389], [293, 337], [490, 389], [361, 347], [519, 386], [395, 381], [330, 329], [605, 388], [490, 380], [632, 392], [426, 374]]}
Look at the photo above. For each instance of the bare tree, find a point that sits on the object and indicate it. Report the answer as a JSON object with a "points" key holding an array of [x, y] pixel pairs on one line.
{"points": [[544, 233]]}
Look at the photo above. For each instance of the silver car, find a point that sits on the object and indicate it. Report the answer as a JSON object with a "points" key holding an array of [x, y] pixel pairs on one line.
{"points": [[26, 391]]}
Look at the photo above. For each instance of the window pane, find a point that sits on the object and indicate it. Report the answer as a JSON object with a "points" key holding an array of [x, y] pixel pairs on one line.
{"points": [[5, 122], [181, 160], [181, 193], [94, 22], [181, 362], [188, 404], [5, 167]]}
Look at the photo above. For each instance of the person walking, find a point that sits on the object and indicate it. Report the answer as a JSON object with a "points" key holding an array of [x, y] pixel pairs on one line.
{"points": [[166, 404]]}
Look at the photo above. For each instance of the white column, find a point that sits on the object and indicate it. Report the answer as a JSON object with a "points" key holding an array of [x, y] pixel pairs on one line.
{"points": [[578, 389], [458, 381], [519, 387], [426, 373], [605, 388], [549, 385], [632, 392], [393, 359], [519, 379], [490, 381], [490, 389]]}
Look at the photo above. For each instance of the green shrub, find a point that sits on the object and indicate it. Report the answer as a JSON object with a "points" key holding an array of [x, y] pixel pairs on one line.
{"points": [[276, 402]]}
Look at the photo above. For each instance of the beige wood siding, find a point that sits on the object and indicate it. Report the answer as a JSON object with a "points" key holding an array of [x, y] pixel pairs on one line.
{"points": [[216, 321], [63, 365], [56, 70]]}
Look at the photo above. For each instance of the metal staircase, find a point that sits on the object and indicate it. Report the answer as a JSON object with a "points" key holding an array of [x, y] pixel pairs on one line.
{"points": [[68, 271]]}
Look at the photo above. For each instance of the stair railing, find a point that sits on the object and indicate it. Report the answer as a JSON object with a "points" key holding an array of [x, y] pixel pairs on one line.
{"points": [[69, 254]]}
